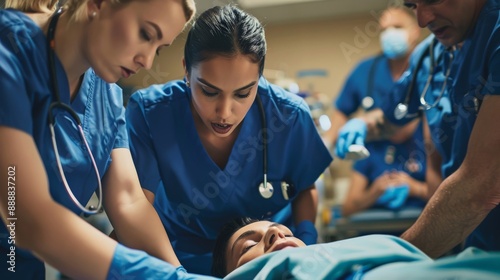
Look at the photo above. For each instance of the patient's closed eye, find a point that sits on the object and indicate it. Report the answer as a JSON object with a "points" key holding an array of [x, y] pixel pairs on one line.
{"points": [[247, 246]]}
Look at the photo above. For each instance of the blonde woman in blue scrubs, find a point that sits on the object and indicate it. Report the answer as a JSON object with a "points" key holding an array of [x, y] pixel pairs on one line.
{"points": [[70, 59]]}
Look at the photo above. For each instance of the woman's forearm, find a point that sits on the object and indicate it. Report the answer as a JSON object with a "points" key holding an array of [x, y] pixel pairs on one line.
{"points": [[305, 206], [139, 226]]}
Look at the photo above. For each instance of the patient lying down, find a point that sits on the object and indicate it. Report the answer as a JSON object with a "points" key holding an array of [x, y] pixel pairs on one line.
{"points": [[252, 249], [248, 239]]}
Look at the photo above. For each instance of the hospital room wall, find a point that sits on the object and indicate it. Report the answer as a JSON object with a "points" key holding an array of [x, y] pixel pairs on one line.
{"points": [[332, 45], [292, 47]]}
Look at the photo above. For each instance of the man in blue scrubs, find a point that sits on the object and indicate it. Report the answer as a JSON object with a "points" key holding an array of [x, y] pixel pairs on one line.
{"points": [[465, 206]]}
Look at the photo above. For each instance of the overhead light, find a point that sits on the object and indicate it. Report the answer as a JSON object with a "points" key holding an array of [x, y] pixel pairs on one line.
{"points": [[249, 4]]}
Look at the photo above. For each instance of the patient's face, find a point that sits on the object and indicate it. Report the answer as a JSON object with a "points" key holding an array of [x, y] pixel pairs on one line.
{"points": [[257, 239]]}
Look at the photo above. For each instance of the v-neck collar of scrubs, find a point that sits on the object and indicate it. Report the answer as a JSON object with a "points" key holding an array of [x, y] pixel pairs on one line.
{"points": [[247, 126]]}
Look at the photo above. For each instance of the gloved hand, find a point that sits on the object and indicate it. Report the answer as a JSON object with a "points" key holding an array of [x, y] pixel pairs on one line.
{"points": [[353, 132], [134, 264], [306, 231], [401, 194], [388, 195], [394, 197]]}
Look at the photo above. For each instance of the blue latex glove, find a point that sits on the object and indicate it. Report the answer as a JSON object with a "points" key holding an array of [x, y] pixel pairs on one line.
{"points": [[134, 264], [401, 194], [394, 197], [353, 132], [306, 231], [388, 195]]}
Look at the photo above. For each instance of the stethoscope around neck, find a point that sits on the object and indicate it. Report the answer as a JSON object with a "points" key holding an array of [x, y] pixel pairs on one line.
{"points": [[58, 104], [266, 189], [401, 109]]}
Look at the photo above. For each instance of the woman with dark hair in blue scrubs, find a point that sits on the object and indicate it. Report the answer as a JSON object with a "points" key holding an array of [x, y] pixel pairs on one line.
{"points": [[224, 142]]}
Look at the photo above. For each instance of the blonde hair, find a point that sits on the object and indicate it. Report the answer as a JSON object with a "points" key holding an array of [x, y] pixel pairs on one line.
{"points": [[32, 6], [78, 8]]}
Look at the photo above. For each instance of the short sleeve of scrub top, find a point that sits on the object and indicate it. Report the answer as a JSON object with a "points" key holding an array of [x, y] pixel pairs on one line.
{"points": [[350, 97], [356, 86], [15, 109], [374, 69], [304, 140], [141, 143]]}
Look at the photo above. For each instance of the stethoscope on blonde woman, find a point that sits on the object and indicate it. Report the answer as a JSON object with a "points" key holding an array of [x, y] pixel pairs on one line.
{"points": [[58, 104]]}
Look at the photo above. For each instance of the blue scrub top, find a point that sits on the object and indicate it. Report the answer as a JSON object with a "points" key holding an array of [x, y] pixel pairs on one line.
{"points": [[408, 156], [474, 73], [356, 87], [26, 95], [375, 69], [477, 74], [194, 197]]}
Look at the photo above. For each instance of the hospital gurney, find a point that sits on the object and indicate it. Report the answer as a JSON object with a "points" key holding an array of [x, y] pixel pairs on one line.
{"points": [[368, 257], [369, 221]]}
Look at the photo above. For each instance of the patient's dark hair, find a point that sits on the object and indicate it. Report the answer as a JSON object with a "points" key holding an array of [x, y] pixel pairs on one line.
{"points": [[219, 261], [225, 31]]}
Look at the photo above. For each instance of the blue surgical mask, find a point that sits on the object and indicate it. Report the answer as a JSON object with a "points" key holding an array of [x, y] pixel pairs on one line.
{"points": [[394, 42]]}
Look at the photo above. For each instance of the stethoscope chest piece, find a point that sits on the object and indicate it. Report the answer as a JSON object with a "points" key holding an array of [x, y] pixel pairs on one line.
{"points": [[400, 111], [367, 102], [266, 192]]}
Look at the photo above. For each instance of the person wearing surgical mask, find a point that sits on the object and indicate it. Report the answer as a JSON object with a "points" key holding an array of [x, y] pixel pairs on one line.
{"points": [[394, 42], [373, 77], [366, 88]]}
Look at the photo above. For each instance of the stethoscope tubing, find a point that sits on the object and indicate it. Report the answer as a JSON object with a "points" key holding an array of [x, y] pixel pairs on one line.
{"points": [[58, 104], [401, 110]]}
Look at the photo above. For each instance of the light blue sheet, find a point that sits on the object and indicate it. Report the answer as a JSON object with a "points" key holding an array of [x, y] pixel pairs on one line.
{"points": [[374, 257]]}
